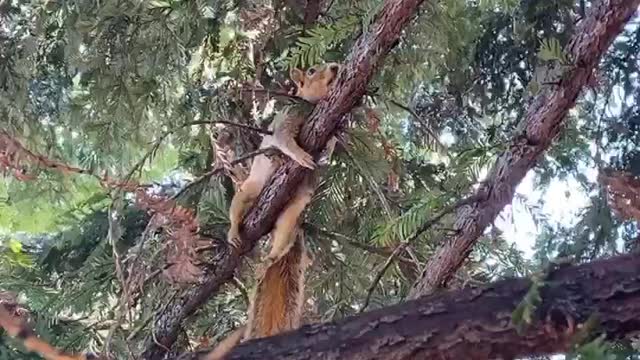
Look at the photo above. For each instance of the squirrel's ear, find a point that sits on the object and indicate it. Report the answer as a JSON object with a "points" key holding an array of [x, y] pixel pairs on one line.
{"points": [[297, 76]]}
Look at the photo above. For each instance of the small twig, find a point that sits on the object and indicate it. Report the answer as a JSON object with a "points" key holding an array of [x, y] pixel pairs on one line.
{"points": [[446, 210], [329, 6], [402, 245], [213, 172], [165, 134], [155, 273], [381, 273], [17, 328], [242, 289], [144, 324], [343, 239], [114, 234], [104, 179], [230, 123], [413, 113], [372, 182], [276, 93]]}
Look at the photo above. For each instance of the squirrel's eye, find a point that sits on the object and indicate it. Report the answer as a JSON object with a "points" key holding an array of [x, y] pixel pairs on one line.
{"points": [[311, 71]]}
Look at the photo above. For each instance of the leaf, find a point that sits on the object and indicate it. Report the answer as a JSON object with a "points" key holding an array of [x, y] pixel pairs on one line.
{"points": [[84, 26], [312, 48], [227, 34], [522, 315], [159, 4], [550, 50]]}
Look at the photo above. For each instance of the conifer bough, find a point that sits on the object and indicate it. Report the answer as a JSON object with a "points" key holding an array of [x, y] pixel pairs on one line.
{"points": [[473, 323]]}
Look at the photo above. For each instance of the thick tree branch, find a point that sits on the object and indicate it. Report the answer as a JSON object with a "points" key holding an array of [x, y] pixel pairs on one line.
{"points": [[542, 123], [367, 54], [473, 323], [311, 12]]}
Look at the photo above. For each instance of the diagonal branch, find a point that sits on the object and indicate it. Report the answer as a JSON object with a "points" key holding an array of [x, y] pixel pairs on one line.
{"points": [[542, 123], [367, 54]]}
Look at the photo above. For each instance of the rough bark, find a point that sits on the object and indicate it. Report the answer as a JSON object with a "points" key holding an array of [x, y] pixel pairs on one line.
{"points": [[311, 12], [366, 55], [473, 323], [542, 123], [168, 321]]}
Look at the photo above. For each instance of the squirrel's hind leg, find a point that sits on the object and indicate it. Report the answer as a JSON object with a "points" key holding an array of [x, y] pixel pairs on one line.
{"points": [[261, 169], [285, 227]]}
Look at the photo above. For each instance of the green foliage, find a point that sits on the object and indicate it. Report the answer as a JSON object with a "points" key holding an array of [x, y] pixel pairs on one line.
{"points": [[599, 348], [551, 50], [522, 315], [406, 224], [311, 48], [107, 86]]}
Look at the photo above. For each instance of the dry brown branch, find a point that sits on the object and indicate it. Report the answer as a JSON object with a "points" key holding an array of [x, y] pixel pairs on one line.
{"points": [[181, 222], [624, 193]]}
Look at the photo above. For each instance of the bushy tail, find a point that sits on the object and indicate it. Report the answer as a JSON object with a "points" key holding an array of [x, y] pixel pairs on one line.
{"points": [[15, 327], [277, 302], [279, 296]]}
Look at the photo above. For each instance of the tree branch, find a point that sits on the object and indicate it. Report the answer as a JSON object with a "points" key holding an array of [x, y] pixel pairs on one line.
{"points": [[473, 323], [342, 239], [230, 123], [542, 123], [204, 177], [367, 54], [311, 12]]}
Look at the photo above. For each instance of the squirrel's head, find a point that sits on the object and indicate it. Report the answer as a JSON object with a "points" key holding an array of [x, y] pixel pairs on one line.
{"points": [[315, 83]]}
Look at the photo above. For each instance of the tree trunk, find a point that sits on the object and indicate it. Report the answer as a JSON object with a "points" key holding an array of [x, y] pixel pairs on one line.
{"points": [[367, 54], [542, 123], [473, 323], [311, 12]]}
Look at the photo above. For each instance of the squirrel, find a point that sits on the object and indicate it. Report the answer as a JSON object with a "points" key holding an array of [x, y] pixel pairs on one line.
{"points": [[310, 86], [279, 295]]}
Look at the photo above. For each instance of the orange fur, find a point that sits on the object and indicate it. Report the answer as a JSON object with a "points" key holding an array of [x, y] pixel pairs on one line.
{"points": [[226, 345], [280, 291], [311, 86]]}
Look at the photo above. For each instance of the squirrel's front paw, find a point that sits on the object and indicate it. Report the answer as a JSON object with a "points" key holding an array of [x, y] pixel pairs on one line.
{"points": [[305, 159], [233, 239]]}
